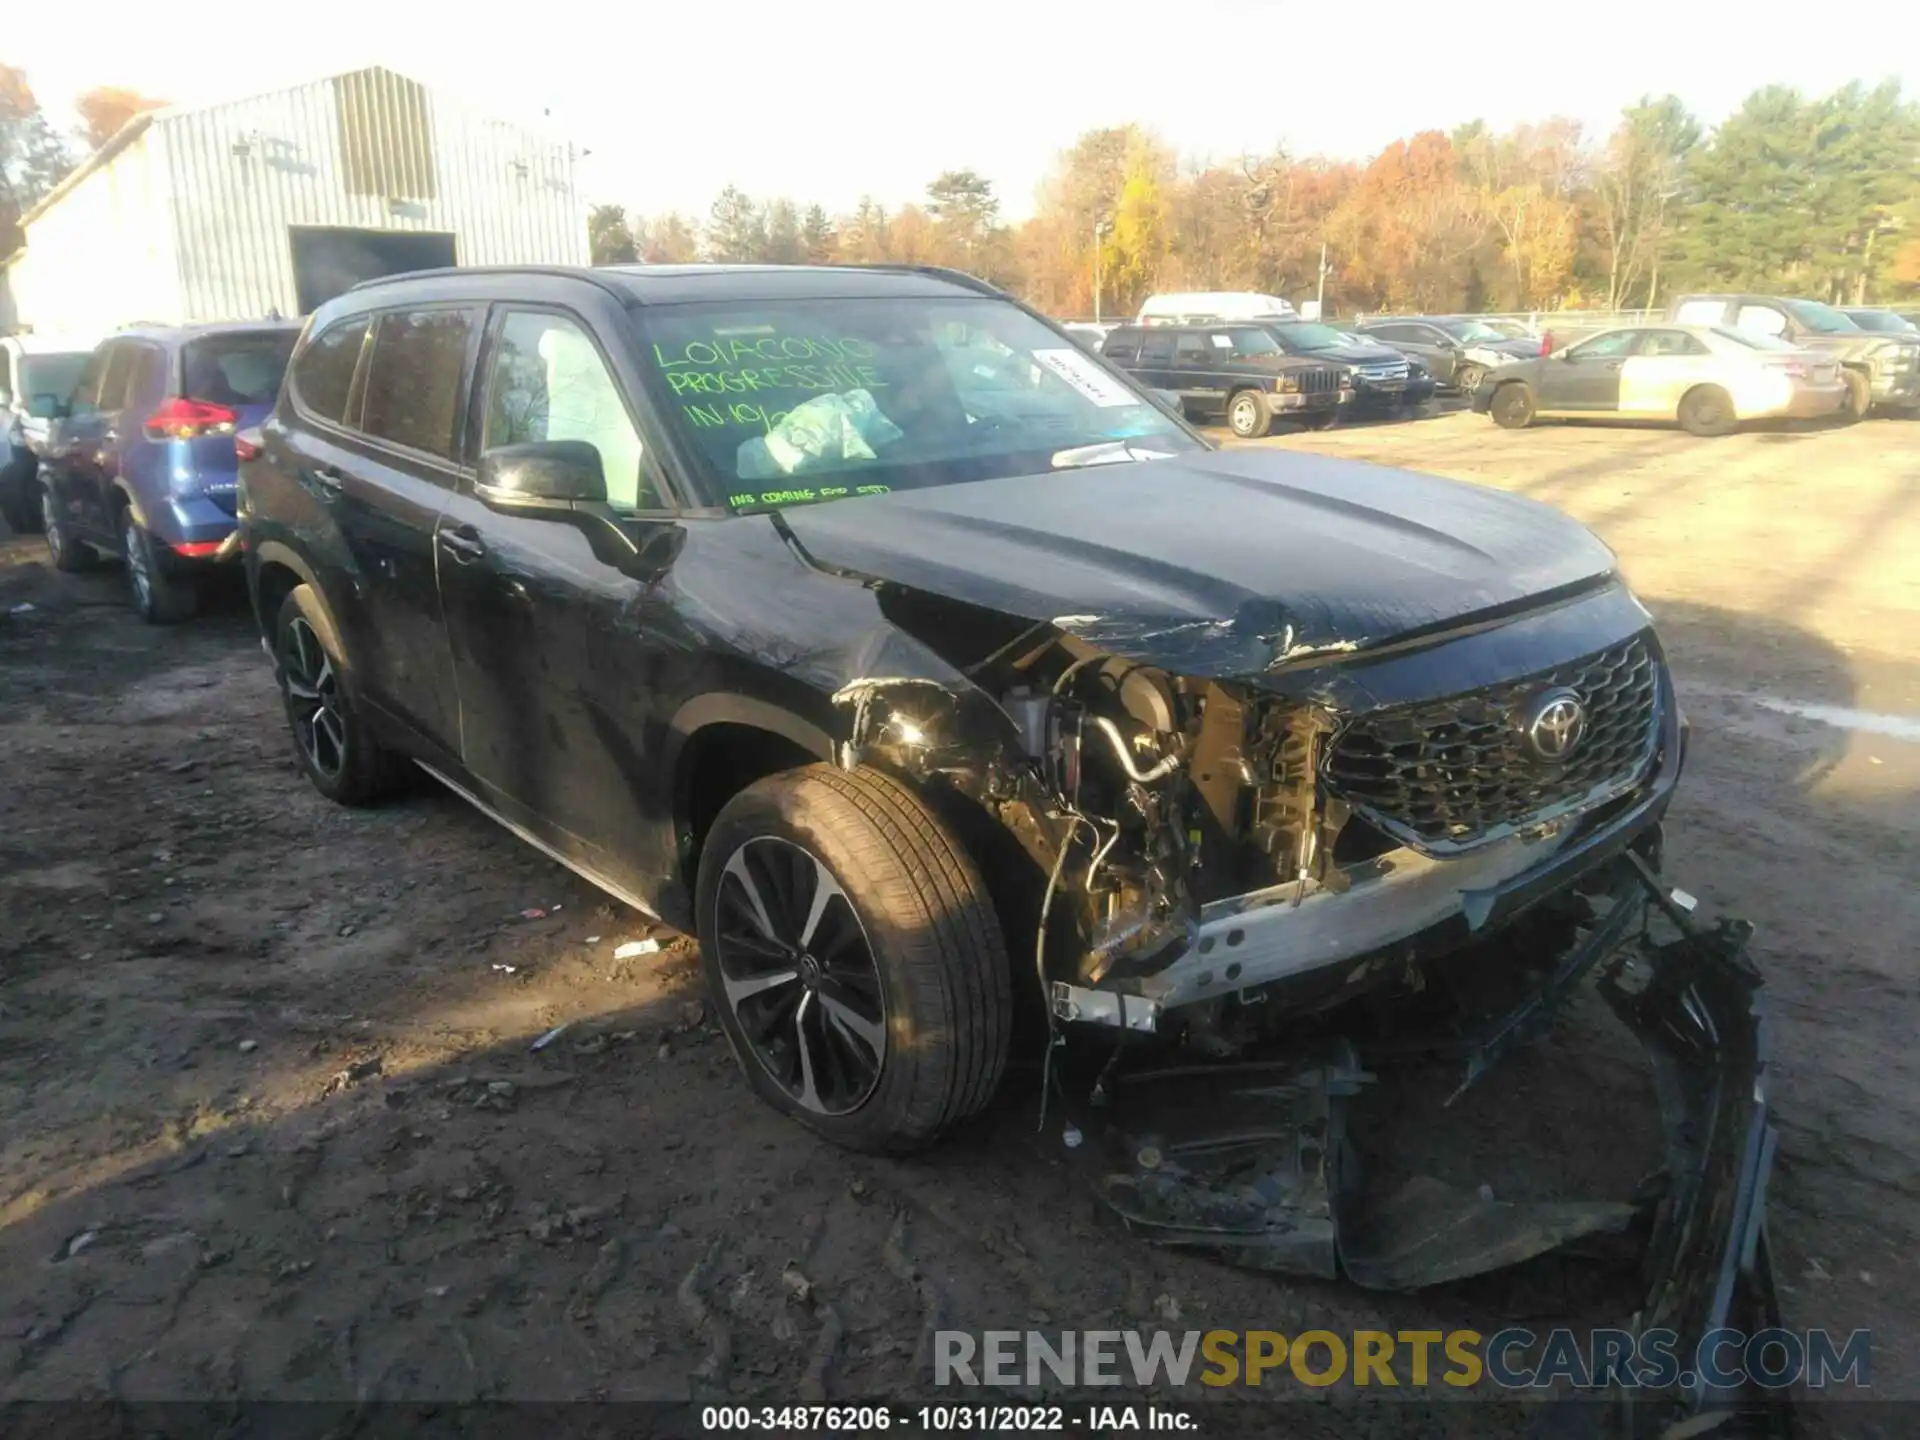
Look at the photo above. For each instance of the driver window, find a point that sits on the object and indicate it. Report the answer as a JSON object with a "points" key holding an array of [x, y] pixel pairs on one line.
{"points": [[1603, 347], [549, 382], [1196, 350]]}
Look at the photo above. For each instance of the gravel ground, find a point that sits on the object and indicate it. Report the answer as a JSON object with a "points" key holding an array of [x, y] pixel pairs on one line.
{"points": [[270, 1123]]}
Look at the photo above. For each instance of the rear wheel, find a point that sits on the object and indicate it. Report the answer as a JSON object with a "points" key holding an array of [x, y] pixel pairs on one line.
{"points": [[1512, 406], [332, 740], [158, 598], [67, 555], [1707, 410], [1248, 415], [854, 957], [1859, 396]]}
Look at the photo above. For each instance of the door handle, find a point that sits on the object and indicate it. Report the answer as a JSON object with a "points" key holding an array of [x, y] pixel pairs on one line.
{"points": [[326, 477], [463, 544]]}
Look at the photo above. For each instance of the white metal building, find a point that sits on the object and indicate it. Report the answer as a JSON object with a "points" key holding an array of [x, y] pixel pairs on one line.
{"points": [[277, 203]]}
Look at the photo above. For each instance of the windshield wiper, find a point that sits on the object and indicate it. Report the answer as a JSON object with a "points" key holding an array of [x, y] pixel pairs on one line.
{"points": [[1105, 452]]}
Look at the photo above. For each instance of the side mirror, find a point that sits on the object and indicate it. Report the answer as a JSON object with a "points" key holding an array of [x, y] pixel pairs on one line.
{"points": [[47, 407], [539, 477]]}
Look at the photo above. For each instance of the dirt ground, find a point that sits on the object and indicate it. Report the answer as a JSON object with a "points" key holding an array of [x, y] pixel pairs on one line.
{"points": [[271, 1122]]}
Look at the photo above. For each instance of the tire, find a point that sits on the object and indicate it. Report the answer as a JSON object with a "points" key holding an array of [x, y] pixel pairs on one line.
{"points": [[917, 958], [66, 555], [158, 598], [1512, 406], [331, 740], [1248, 415], [1859, 396], [1707, 410], [1467, 378]]}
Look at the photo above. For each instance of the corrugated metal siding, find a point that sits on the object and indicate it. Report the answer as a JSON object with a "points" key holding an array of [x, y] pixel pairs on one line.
{"points": [[103, 255], [243, 173]]}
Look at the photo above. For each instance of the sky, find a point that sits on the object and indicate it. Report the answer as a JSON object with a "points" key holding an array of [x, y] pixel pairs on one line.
{"points": [[826, 102]]}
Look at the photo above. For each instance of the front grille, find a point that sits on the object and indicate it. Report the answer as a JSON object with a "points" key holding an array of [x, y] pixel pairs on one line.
{"points": [[1452, 773], [1317, 382], [1377, 370]]}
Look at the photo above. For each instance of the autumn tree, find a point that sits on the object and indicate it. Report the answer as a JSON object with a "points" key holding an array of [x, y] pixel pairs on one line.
{"points": [[32, 157], [1636, 182], [670, 239], [1526, 186], [1137, 242], [816, 234], [609, 237], [964, 210], [784, 245], [106, 108], [736, 229], [1406, 233]]}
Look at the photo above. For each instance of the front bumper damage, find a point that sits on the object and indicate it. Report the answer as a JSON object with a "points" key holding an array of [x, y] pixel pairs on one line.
{"points": [[1254, 1162]]}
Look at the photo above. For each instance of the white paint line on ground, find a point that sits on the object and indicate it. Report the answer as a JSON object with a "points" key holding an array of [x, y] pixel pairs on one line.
{"points": [[1900, 727]]}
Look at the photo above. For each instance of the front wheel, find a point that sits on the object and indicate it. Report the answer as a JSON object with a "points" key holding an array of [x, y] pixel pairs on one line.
{"points": [[1467, 378], [158, 598], [334, 745], [1248, 415], [67, 555], [1512, 406], [854, 957]]}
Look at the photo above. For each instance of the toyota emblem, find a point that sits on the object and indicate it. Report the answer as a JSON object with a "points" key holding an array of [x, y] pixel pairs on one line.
{"points": [[1555, 725]]}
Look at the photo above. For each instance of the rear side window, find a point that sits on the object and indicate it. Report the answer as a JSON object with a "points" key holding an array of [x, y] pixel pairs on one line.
{"points": [[147, 375], [323, 380], [415, 378], [1156, 347], [238, 367], [1701, 312], [86, 390], [1122, 345], [1761, 320]]}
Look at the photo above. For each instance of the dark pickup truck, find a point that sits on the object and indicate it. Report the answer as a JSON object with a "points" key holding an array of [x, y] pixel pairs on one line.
{"points": [[1238, 372], [1382, 375]]}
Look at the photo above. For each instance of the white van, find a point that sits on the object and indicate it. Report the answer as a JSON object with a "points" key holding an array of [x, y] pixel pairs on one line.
{"points": [[1212, 307]]}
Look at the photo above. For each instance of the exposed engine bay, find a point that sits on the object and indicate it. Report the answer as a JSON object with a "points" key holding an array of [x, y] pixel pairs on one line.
{"points": [[1231, 865]]}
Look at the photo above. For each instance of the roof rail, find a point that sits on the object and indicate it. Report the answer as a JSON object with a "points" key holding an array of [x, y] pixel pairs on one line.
{"points": [[937, 272], [563, 272]]}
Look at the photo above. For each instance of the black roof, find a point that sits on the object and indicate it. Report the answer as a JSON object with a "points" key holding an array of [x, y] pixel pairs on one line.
{"points": [[678, 284]]}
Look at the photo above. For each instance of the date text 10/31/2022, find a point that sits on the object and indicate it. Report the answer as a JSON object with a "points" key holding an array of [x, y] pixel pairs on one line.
{"points": [[983, 1419]]}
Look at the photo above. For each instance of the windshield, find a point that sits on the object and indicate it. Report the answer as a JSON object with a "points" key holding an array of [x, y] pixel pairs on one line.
{"points": [[54, 375], [238, 368], [1469, 330], [1254, 342], [796, 401], [1883, 322], [1752, 341], [1315, 337], [1821, 319]]}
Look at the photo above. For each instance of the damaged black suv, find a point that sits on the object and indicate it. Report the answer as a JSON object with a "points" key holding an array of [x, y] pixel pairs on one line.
{"points": [[861, 623]]}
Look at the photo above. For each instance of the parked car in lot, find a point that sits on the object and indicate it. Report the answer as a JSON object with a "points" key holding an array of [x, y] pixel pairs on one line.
{"points": [[1879, 369], [859, 689], [1457, 352], [1237, 373], [1504, 327], [1707, 378], [140, 461], [37, 373], [1879, 321], [1380, 373]]}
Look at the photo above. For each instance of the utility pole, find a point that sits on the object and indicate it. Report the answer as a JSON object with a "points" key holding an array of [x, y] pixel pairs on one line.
{"points": [[1099, 229], [1320, 297]]}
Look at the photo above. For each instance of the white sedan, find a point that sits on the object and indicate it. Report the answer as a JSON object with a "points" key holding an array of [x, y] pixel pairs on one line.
{"points": [[1706, 377]]}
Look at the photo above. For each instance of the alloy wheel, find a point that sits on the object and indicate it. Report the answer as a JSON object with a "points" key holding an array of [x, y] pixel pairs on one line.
{"points": [[800, 976], [314, 702], [133, 551], [1245, 417]]}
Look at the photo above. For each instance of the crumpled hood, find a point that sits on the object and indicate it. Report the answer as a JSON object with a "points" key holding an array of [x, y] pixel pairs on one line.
{"points": [[1219, 563]]}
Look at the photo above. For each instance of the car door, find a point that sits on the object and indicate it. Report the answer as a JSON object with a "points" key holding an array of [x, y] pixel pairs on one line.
{"points": [[1155, 367], [385, 488], [1587, 376], [135, 460], [530, 602], [1197, 365], [1663, 367]]}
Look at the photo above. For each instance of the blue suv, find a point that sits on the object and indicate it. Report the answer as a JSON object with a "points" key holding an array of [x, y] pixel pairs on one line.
{"points": [[141, 463]]}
